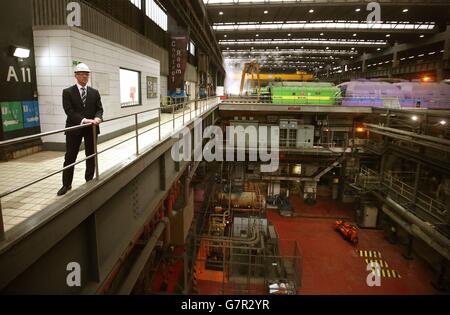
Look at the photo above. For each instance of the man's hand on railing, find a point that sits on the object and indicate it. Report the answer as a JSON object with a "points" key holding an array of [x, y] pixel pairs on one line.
{"points": [[96, 121], [88, 121]]}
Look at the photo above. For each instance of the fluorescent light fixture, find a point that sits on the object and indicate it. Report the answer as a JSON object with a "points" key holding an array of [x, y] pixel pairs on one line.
{"points": [[21, 52], [405, 10], [358, 10], [325, 25], [311, 11]]}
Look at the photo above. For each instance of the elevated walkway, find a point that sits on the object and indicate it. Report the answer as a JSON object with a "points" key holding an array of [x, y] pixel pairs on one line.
{"points": [[95, 223]]}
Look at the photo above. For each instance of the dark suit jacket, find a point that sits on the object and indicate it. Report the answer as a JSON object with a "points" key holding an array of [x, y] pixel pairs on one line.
{"points": [[73, 106]]}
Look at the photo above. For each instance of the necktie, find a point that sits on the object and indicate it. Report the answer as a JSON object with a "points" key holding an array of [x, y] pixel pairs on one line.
{"points": [[83, 96]]}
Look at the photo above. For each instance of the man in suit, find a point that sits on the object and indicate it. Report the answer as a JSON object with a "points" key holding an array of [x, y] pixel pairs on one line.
{"points": [[83, 106]]}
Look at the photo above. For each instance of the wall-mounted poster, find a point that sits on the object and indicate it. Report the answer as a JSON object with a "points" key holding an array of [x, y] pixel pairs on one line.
{"points": [[12, 116], [130, 91], [152, 87], [30, 114]]}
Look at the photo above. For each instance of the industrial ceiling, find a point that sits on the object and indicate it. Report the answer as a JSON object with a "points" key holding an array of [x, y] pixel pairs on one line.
{"points": [[310, 35]]}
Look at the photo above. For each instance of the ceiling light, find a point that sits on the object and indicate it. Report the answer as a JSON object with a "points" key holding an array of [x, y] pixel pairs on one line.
{"points": [[321, 34], [358, 10], [378, 49], [422, 36], [388, 35], [354, 35], [21, 52], [405, 10], [443, 122], [311, 11], [257, 35], [265, 12], [220, 13], [225, 36], [289, 34], [414, 118]]}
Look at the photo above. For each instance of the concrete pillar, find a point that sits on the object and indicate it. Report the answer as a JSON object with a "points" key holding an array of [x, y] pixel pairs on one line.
{"points": [[447, 46], [408, 254], [439, 282], [395, 60], [440, 72]]}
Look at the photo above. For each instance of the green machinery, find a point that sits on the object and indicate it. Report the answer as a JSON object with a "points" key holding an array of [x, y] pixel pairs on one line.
{"points": [[305, 93]]}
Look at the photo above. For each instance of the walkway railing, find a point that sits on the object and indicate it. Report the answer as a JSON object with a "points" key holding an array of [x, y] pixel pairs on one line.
{"points": [[371, 180], [388, 102], [188, 110]]}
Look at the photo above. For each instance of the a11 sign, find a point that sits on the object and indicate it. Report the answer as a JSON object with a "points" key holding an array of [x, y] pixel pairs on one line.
{"points": [[14, 77]]}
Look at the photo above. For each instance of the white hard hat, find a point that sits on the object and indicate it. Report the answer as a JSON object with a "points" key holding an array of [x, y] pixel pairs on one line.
{"points": [[81, 67]]}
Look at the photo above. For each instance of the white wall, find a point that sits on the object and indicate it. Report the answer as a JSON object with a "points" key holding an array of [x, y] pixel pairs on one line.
{"points": [[55, 52]]}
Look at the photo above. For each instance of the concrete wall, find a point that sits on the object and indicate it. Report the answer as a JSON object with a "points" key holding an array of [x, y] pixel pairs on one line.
{"points": [[191, 73], [55, 52]]}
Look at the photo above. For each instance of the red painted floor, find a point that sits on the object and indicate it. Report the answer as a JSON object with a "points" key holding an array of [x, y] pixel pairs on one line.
{"points": [[325, 207], [331, 265]]}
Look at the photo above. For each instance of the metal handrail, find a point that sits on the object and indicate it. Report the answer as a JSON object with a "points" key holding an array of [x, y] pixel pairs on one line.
{"points": [[204, 105], [423, 201], [390, 102]]}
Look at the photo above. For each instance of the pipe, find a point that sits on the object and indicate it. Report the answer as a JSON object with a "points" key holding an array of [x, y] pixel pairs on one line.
{"points": [[130, 281], [411, 134], [239, 240], [424, 226], [417, 232]]}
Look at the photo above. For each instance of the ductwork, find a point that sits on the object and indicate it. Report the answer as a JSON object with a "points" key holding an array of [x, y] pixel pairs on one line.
{"points": [[417, 232], [132, 277], [424, 226]]}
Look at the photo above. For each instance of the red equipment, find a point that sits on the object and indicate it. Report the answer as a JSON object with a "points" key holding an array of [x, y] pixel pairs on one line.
{"points": [[348, 231]]}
